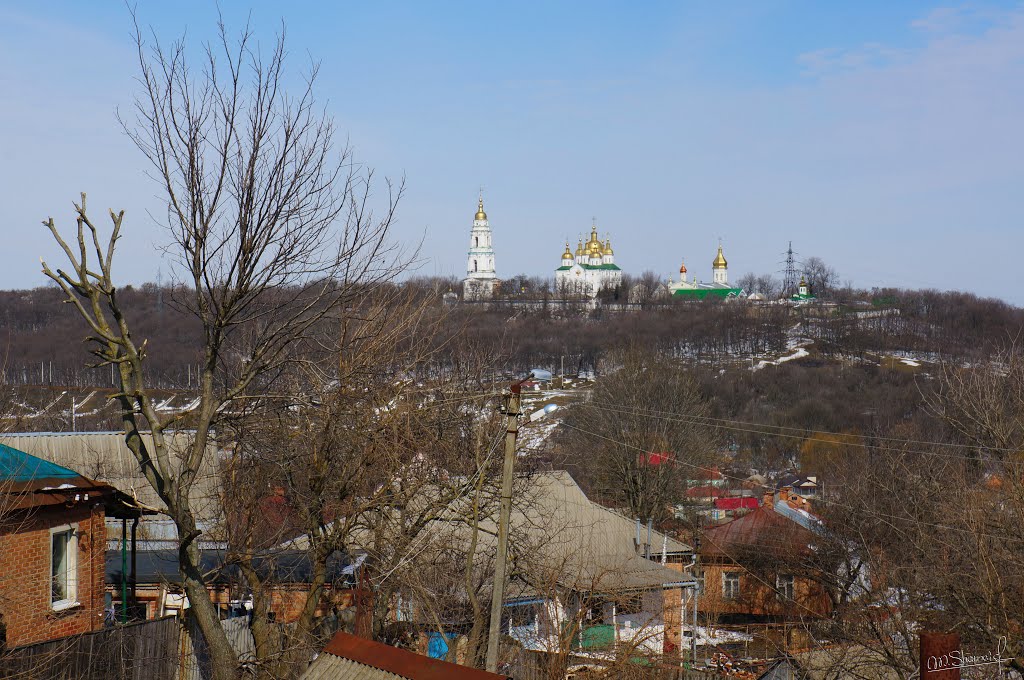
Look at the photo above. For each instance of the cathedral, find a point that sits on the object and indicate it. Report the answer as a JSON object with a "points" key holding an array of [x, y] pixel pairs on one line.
{"points": [[481, 281], [695, 290], [590, 269]]}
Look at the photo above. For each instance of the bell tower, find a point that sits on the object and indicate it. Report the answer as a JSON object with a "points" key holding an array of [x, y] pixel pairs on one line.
{"points": [[480, 281]]}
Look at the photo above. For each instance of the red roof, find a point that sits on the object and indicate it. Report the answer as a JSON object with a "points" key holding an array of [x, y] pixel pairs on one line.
{"points": [[762, 529], [402, 663], [656, 458], [704, 492], [736, 503]]}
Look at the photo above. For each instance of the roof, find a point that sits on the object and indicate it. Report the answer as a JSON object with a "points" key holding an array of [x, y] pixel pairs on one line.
{"points": [[105, 456], [558, 535], [289, 566], [607, 267], [18, 466], [736, 503], [701, 292], [763, 529], [797, 482], [704, 492], [30, 482], [586, 545], [347, 657]]}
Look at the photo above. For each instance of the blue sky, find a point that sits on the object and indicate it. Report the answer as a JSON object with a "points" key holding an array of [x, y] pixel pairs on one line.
{"points": [[884, 137]]}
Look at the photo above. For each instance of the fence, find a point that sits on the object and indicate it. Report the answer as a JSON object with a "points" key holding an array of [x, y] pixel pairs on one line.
{"points": [[530, 665], [140, 651]]}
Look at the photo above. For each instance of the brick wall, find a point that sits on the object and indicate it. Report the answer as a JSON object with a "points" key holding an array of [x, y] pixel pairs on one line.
{"points": [[25, 574]]}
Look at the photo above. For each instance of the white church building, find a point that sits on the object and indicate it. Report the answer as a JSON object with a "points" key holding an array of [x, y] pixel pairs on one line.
{"points": [[590, 269]]}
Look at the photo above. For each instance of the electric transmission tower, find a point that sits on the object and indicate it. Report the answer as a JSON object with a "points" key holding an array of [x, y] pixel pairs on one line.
{"points": [[789, 273]]}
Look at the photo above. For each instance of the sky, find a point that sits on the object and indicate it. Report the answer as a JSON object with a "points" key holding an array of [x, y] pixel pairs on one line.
{"points": [[886, 138]]}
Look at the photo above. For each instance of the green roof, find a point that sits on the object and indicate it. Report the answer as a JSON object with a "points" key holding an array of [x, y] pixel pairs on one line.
{"points": [[19, 466], [607, 267], [701, 293]]}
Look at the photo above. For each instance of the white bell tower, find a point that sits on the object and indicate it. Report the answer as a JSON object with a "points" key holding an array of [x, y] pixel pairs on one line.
{"points": [[480, 282]]}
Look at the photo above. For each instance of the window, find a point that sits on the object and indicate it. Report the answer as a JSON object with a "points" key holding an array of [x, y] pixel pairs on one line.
{"points": [[730, 585], [476, 241], [474, 265], [784, 584], [63, 567]]}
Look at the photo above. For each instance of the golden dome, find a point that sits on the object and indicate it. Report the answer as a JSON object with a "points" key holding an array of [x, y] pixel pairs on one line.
{"points": [[567, 255], [608, 247], [682, 268], [579, 249], [719, 262], [480, 214]]}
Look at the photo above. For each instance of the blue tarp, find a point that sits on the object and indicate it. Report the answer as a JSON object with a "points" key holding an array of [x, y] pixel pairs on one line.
{"points": [[437, 647]]}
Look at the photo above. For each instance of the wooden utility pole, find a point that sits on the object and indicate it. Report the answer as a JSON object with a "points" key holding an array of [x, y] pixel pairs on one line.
{"points": [[512, 403]]}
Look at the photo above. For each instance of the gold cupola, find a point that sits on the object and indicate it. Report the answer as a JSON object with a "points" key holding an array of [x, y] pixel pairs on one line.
{"points": [[682, 268], [719, 262], [480, 214], [579, 248], [567, 255], [608, 247]]}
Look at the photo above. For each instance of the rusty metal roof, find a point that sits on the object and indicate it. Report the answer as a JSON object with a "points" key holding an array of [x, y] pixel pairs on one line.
{"points": [[348, 657]]}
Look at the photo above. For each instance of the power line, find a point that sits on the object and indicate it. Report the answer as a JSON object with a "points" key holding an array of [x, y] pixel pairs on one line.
{"points": [[765, 429], [821, 500]]}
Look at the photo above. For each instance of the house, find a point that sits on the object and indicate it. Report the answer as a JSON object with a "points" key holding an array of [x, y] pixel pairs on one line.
{"points": [[596, 579], [760, 568], [347, 657], [582, 576], [52, 547], [159, 591], [711, 476], [807, 487]]}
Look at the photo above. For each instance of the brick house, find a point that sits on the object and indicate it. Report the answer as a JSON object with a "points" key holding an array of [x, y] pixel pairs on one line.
{"points": [[52, 548], [762, 569]]}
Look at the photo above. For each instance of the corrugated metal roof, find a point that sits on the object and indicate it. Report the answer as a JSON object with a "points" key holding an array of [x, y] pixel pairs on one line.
{"points": [[348, 657], [330, 667]]}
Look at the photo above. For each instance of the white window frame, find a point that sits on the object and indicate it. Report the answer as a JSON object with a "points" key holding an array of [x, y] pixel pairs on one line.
{"points": [[786, 585], [72, 567], [727, 592]]}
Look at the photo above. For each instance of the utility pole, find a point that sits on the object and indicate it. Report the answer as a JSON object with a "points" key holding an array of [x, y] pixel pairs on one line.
{"points": [[512, 402]]}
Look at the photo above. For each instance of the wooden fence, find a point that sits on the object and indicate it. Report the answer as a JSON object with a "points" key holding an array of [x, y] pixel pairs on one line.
{"points": [[140, 651], [530, 665]]}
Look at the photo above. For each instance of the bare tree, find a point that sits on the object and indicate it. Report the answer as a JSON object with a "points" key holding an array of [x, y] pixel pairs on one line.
{"points": [[822, 278], [641, 433], [272, 233]]}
